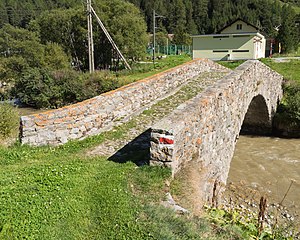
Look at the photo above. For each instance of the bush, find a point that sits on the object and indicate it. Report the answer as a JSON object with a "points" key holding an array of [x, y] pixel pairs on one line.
{"points": [[36, 88], [9, 120], [43, 89], [291, 103], [100, 82]]}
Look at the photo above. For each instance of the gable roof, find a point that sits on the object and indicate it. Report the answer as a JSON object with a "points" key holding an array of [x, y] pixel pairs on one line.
{"points": [[239, 19]]}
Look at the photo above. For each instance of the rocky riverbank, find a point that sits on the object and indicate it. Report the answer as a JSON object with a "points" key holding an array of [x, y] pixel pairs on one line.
{"points": [[285, 127], [274, 218]]}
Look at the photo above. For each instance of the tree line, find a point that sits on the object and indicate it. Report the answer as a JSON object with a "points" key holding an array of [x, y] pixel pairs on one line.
{"points": [[181, 18], [185, 17]]}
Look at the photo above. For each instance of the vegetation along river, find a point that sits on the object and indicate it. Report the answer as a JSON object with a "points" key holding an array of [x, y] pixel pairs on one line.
{"points": [[269, 165]]}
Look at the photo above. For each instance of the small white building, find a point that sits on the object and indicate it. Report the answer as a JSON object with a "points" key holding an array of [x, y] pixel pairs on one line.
{"points": [[238, 40]]}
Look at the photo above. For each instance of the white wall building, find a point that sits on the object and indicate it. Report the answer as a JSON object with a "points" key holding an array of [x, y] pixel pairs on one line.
{"points": [[238, 40]]}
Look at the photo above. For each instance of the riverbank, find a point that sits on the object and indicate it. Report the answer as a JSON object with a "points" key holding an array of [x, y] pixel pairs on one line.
{"points": [[257, 170], [260, 213], [285, 127], [268, 167]]}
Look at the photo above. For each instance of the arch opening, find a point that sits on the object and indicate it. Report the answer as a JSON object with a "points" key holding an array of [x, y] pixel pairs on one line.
{"points": [[257, 120]]}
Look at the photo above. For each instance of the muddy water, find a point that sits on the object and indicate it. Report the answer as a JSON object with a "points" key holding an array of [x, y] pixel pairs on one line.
{"points": [[269, 165]]}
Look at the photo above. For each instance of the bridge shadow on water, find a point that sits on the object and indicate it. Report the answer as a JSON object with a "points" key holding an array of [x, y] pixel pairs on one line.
{"points": [[136, 151]]}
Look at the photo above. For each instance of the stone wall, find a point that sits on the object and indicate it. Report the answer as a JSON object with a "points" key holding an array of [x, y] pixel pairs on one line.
{"points": [[92, 116], [205, 129]]}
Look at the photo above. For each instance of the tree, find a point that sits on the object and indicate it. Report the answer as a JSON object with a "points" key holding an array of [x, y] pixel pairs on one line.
{"points": [[19, 14], [200, 15], [21, 51], [68, 28], [126, 25], [178, 21], [220, 13], [288, 32], [191, 25]]}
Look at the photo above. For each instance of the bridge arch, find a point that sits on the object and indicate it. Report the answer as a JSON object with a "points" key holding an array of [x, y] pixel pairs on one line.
{"points": [[206, 128], [258, 119]]}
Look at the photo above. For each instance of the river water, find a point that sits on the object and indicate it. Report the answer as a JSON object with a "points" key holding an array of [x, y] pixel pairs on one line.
{"points": [[269, 165]]}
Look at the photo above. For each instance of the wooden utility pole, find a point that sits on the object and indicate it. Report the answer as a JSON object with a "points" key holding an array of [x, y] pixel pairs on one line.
{"points": [[154, 28], [110, 38], [90, 36], [154, 16]]}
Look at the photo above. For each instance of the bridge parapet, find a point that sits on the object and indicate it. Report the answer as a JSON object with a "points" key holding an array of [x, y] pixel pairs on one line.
{"points": [[205, 128], [100, 113]]}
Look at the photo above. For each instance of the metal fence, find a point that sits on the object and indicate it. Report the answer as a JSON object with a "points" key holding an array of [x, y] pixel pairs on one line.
{"points": [[171, 50]]}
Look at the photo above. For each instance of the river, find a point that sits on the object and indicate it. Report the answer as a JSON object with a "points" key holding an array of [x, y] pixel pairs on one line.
{"points": [[269, 165]]}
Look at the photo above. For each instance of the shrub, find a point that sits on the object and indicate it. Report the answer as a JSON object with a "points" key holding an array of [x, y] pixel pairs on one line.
{"points": [[9, 120], [36, 88], [43, 89], [100, 82], [291, 104]]}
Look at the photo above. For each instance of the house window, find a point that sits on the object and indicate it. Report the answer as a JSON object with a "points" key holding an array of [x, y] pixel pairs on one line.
{"points": [[240, 50], [219, 51], [239, 27], [241, 36], [221, 36]]}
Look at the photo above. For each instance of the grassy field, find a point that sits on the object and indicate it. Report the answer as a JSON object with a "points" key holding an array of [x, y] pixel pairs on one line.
{"points": [[231, 64], [290, 69], [60, 193], [146, 69]]}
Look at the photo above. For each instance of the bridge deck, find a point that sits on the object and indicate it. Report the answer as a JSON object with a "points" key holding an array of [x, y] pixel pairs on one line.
{"points": [[135, 145]]}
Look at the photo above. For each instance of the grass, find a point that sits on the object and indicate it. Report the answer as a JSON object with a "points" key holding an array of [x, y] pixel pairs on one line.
{"points": [[59, 193], [288, 113], [231, 64], [54, 193], [142, 70], [289, 70]]}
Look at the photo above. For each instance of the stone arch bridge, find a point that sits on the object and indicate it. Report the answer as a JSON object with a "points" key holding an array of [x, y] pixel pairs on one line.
{"points": [[204, 129]]}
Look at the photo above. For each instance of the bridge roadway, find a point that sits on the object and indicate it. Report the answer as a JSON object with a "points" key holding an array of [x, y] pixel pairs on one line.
{"points": [[203, 131]]}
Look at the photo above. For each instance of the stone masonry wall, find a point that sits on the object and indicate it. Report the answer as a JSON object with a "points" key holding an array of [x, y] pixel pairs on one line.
{"points": [[205, 129], [92, 116]]}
